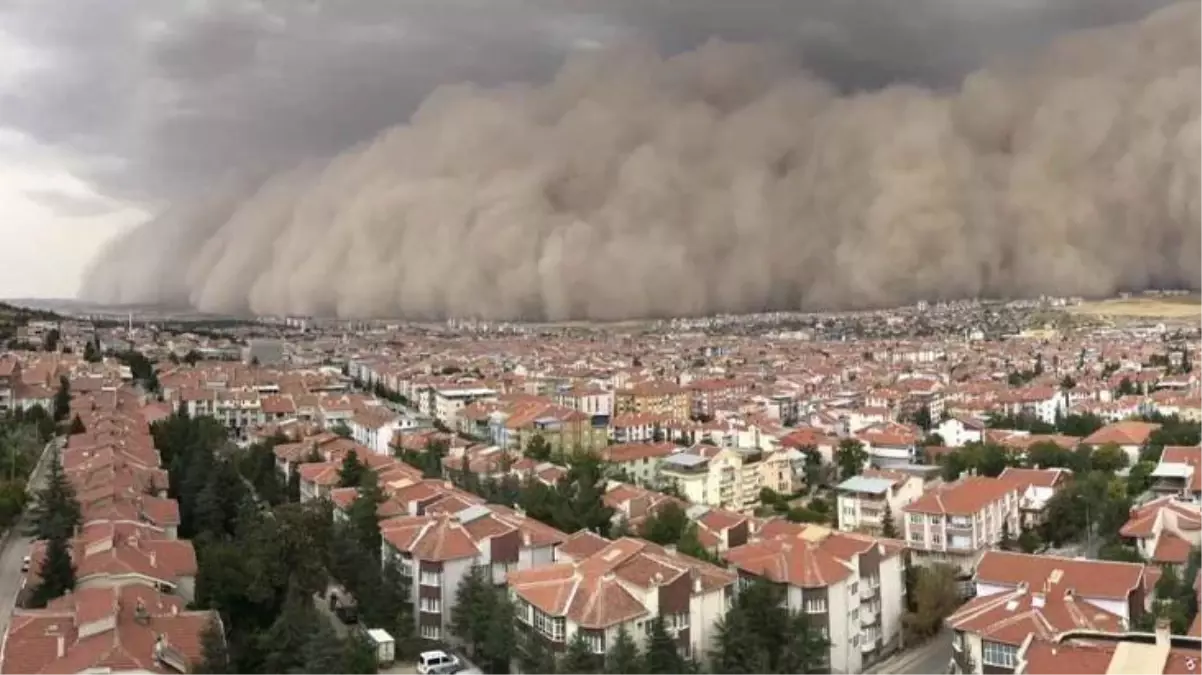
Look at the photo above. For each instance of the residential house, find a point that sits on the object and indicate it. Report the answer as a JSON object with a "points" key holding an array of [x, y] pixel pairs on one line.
{"points": [[889, 444], [1158, 653], [1179, 473], [850, 586], [1164, 530], [957, 522], [863, 500], [638, 461], [124, 629], [1020, 595], [1036, 487], [960, 430], [1129, 435], [448, 401], [625, 585], [375, 428]]}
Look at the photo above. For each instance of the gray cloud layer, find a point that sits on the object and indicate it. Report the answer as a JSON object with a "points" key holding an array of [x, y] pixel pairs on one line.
{"points": [[719, 180]]}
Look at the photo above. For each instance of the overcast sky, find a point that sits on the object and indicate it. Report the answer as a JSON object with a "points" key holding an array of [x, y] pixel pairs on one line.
{"points": [[111, 109]]}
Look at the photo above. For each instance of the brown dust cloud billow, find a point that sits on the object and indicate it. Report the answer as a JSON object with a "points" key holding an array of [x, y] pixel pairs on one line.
{"points": [[717, 181]]}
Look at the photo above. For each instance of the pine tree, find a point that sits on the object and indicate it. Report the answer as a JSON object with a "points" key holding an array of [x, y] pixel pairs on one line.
{"points": [[888, 529], [662, 655], [56, 510], [735, 649], [470, 617], [623, 657], [62, 399], [806, 649], [350, 474], [534, 657], [76, 427], [579, 657], [500, 645], [57, 572]]}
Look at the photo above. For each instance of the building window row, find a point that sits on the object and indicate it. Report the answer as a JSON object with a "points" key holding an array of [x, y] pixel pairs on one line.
{"points": [[550, 626], [997, 654]]}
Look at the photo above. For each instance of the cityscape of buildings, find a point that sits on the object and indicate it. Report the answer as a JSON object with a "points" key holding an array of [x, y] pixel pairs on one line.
{"points": [[830, 468]]}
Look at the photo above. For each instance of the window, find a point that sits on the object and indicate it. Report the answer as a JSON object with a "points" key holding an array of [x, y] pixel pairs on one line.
{"points": [[916, 519], [433, 605], [406, 565], [595, 641], [548, 625], [431, 578], [673, 622], [936, 520], [431, 632], [996, 654], [855, 640], [853, 588], [855, 615], [815, 605], [937, 539]]}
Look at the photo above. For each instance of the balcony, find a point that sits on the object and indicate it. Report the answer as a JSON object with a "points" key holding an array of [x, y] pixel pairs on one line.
{"points": [[868, 590], [868, 617]]}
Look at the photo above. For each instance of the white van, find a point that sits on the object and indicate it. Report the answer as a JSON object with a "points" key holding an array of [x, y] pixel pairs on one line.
{"points": [[436, 662]]}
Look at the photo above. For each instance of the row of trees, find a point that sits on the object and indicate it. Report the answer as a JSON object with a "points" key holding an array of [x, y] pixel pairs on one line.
{"points": [[23, 434], [54, 519], [260, 566]]}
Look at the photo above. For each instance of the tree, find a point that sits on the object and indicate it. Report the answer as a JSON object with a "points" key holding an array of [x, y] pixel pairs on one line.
{"points": [[214, 652], [350, 474], [76, 427], [579, 657], [363, 521], [760, 635], [623, 657], [56, 511], [1168, 586], [50, 342], [666, 525], [340, 428], [538, 449], [1139, 479], [936, 596], [1028, 540], [1116, 551], [850, 457], [470, 617], [888, 529], [662, 655], [533, 655], [1109, 458], [91, 352], [57, 572], [805, 650], [1007, 542], [62, 399]]}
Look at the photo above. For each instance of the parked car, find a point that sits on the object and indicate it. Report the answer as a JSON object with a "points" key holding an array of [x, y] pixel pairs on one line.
{"points": [[436, 662], [25, 563]]}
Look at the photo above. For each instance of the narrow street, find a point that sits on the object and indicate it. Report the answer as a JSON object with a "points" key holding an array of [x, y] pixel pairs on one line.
{"points": [[930, 657], [15, 546]]}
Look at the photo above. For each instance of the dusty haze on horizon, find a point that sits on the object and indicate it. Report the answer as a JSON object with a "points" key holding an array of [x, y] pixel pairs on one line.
{"points": [[725, 179]]}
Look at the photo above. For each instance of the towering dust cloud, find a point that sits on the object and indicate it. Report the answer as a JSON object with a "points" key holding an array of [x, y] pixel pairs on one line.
{"points": [[722, 180]]}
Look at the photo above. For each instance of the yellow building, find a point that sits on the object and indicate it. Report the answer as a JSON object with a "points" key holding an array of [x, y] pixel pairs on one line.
{"points": [[660, 398]]}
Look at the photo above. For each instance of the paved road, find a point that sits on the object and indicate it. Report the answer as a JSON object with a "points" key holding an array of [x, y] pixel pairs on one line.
{"points": [[15, 546], [930, 657]]}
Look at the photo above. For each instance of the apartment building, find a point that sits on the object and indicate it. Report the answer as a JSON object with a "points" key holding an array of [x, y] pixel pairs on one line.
{"points": [[640, 462], [863, 500], [10, 379], [376, 427], [626, 584], [657, 397], [448, 401], [728, 478], [438, 546], [955, 523], [851, 586], [710, 395], [889, 444], [590, 400], [1020, 595], [960, 430], [564, 429]]}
